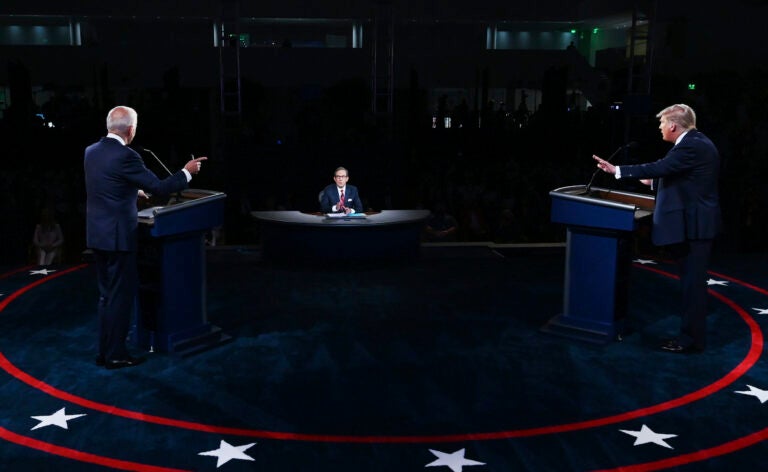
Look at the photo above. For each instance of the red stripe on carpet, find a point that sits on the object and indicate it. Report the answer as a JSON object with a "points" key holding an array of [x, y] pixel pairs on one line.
{"points": [[79, 455]]}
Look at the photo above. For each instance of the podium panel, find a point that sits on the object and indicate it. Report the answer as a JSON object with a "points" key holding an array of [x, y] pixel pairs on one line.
{"points": [[598, 257], [172, 303]]}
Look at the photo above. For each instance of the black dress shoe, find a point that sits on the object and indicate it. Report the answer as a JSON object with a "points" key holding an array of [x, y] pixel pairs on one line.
{"points": [[100, 361], [122, 363], [676, 347]]}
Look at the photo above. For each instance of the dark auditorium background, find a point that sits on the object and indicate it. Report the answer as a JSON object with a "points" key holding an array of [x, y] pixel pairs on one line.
{"points": [[478, 107]]}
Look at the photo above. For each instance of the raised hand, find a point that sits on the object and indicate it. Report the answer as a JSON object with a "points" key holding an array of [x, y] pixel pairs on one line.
{"points": [[194, 166], [604, 165]]}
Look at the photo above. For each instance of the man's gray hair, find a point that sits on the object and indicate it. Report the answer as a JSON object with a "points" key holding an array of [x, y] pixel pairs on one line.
{"points": [[121, 118]]}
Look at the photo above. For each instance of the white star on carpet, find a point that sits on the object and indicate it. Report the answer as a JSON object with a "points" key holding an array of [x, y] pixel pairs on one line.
{"points": [[646, 436], [761, 395], [226, 452], [644, 261], [761, 311], [41, 271], [455, 460], [59, 419], [717, 282]]}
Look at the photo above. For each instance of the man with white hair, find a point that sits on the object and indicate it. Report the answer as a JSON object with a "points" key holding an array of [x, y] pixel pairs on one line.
{"points": [[114, 174]]}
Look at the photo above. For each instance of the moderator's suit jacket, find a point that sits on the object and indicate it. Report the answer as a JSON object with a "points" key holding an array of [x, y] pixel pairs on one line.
{"points": [[330, 197], [687, 198], [113, 175]]}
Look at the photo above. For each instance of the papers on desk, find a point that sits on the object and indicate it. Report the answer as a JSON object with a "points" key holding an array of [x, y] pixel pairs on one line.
{"points": [[149, 212], [344, 215]]}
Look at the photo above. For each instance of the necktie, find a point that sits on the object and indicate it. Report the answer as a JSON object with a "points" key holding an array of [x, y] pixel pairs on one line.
{"points": [[341, 201]]}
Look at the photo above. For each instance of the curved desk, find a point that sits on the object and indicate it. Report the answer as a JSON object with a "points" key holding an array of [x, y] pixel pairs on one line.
{"points": [[297, 236]]}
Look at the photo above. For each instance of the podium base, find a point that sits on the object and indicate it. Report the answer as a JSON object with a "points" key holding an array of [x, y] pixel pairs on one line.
{"points": [[185, 343], [213, 337], [566, 327]]}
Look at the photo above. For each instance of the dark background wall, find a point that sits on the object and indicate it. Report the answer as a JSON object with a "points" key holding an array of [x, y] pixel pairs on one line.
{"points": [[307, 110]]}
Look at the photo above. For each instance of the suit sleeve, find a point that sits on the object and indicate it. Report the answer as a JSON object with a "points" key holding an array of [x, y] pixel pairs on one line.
{"points": [[679, 159], [325, 202], [137, 173], [358, 204]]}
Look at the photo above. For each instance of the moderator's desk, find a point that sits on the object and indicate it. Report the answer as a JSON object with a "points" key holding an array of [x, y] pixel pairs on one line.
{"points": [[297, 236]]}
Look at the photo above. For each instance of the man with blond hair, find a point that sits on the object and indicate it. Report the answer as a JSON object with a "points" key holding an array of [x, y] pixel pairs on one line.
{"points": [[687, 216]]}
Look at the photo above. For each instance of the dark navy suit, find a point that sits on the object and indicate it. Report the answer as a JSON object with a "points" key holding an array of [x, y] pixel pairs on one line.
{"points": [[687, 218], [330, 197], [113, 175]]}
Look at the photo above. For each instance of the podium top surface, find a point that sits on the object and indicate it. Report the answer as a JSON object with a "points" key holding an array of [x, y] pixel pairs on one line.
{"points": [[641, 204], [186, 199]]}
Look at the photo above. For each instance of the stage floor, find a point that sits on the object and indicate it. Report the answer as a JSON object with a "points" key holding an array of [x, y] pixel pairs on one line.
{"points": [[437, 362]]}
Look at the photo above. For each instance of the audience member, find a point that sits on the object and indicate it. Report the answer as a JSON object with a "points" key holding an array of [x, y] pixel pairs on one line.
{"points": [[47, 239], [441, 226]]}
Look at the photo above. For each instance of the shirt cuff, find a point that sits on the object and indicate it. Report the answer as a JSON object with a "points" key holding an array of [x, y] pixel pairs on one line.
{"points": [[187, 174], [618, 172]]}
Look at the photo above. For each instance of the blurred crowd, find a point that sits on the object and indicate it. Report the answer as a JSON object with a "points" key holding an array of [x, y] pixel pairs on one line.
{"points": [[486, 178]]}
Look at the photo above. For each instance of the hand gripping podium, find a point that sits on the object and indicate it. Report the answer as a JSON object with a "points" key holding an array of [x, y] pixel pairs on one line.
{"points": [[598, 257], [171, 308]]}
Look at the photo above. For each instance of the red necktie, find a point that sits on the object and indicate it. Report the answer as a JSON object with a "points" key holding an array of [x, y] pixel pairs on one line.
{"points": [[341, 201]]}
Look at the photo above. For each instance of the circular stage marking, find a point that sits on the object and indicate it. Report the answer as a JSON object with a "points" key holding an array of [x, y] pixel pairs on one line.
{"points": [[750, 359]]}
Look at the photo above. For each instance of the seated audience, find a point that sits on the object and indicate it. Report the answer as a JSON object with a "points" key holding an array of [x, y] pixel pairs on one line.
{"points": [[47, 239]]}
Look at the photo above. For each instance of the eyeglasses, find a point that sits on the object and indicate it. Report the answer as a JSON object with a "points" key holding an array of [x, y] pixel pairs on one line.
{"points": [[340, 176]]}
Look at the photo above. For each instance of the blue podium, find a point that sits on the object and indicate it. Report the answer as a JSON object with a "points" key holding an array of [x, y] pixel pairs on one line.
{"points": [[599, 225], [171, 308]]}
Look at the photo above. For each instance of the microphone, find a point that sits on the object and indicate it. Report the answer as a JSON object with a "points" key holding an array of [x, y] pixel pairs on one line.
{"points": [[157, 159], [178, 194], [630, 144]]}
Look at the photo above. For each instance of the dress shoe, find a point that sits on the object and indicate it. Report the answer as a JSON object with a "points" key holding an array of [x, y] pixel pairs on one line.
{"points": [[122, 363], [669, 342], [674, 346], [100, 361]]}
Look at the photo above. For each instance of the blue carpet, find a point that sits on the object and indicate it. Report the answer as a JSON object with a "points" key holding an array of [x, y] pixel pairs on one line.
{"points": [[388, 368]]}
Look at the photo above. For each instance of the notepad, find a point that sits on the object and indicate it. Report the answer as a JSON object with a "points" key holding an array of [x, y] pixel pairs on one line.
{"points": [[343, 215]]}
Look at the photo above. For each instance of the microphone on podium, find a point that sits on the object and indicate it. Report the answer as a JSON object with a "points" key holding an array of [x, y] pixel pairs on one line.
{"points": [[142, 148], [629, 145], [156, 158]]}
